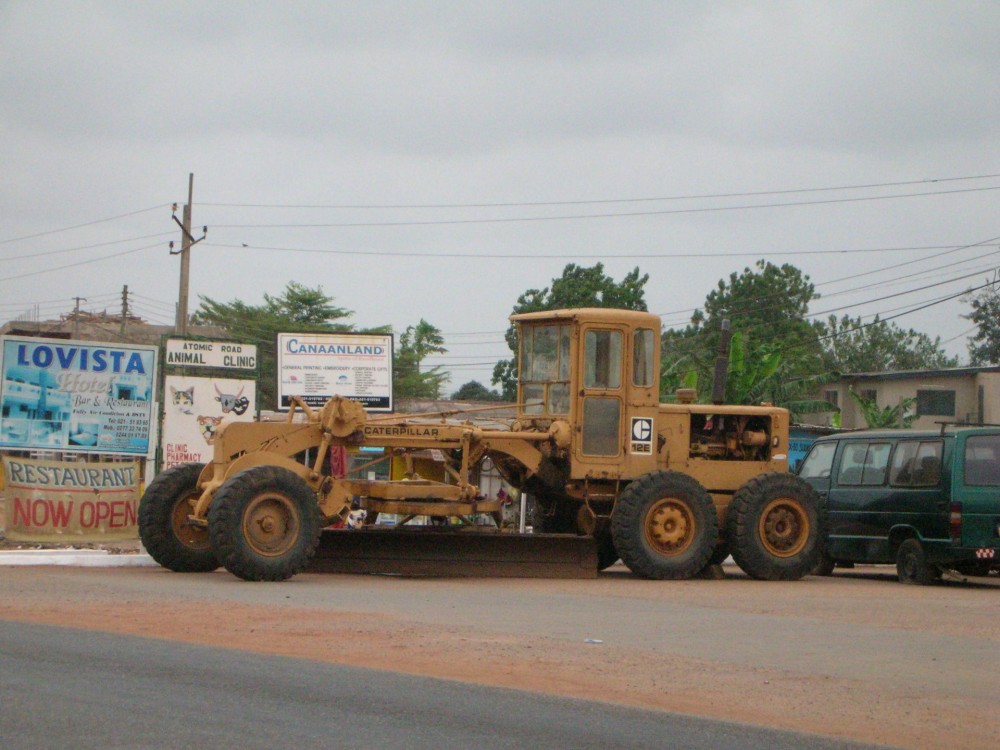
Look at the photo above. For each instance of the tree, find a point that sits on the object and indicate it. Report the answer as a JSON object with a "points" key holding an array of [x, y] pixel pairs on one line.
{"points": [[877, 417], [298, 309], [984, 345], [415, 344], [476, 391], [577, 287], [768, 303], [880, 346]]}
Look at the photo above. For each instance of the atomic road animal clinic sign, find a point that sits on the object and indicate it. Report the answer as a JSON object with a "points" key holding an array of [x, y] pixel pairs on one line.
{"points": [[58, 394]]}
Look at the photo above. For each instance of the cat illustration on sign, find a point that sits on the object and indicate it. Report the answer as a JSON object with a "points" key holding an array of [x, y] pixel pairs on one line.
{"points": [[182, 401]]}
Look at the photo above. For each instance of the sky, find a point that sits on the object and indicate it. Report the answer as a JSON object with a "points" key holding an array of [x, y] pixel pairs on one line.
{"points": [[433, 161]]}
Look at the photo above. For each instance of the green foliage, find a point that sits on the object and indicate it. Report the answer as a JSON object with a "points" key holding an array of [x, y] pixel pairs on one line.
{"points": [[415, 344], [298, 309], [851, 346], [577, 287], [476, 391], [890, 416], [984, 345], [774, 350]]}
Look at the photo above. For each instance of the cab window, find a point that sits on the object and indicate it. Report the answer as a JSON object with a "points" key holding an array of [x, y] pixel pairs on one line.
{"points": [[643, 350], [545, 368], [602, 359]]}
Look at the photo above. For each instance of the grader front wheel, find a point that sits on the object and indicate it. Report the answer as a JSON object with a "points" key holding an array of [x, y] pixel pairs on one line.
{"points": [[264, 524], [664, 525], [776, 527], [163, 522]]}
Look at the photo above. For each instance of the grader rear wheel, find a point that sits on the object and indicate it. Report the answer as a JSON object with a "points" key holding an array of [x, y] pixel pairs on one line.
{"points": [[776, 527], [265, 524], [664, 525], [163, 522]]}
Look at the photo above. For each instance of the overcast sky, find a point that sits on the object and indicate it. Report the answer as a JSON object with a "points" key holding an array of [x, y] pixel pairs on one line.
{"points": [[857, 141]]}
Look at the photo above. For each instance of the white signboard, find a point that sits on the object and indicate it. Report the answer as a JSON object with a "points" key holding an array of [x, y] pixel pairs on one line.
{"points": [[318, 366], [224, 354], [195, 409], [60, 394]]}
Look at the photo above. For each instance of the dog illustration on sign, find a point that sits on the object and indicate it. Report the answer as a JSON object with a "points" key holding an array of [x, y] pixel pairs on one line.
{"points": [[208, 426]]}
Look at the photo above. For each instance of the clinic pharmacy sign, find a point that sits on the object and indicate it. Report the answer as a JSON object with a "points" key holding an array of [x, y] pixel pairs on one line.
{"points": [[317, 366], [58, 394], [222, 354]]}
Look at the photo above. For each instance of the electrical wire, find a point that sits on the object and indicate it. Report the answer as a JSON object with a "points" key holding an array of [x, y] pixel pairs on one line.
{"points": [[85, 224]]}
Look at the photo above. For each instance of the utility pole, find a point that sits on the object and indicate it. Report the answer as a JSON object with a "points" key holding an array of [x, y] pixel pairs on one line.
{"points": [[187, 241], [76, 316], [124, 310]]}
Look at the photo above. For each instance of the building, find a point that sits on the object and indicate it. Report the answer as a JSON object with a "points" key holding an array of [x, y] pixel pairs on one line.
{"points": [[963, 395]]}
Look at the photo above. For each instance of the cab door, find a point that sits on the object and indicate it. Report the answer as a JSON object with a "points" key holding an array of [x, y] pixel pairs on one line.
{"points": [[601, 403]]}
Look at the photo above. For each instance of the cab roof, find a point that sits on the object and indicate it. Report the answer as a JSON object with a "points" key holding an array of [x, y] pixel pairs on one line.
{"points": [[591, 315]]}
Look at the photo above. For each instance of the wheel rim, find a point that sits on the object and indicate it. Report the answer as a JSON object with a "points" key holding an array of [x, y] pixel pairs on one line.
{"points": [[669, 527], [909, 566], [191, 536], [271, 524], [784, 527]]}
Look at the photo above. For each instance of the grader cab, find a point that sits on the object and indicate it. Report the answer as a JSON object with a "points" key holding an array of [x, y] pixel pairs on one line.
{"points": [[667, 488]]}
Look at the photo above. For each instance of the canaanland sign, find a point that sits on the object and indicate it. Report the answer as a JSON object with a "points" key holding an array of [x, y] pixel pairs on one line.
{"points": [[317, 366], [76, 395], [222, 354]]}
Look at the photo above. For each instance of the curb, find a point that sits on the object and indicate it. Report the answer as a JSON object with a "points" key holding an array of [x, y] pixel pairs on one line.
{"points": [[84, 558]]}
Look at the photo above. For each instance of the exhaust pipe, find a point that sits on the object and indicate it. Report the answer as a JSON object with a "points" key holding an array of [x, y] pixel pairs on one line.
{"points": [[721, 365]]}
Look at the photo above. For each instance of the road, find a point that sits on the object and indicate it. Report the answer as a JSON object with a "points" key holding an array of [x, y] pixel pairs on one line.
{"points": [[856, 656], [67, 689]]}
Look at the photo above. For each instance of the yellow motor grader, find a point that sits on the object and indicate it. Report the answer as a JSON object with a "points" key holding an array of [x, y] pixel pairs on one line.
{"points": [[667, 488]]}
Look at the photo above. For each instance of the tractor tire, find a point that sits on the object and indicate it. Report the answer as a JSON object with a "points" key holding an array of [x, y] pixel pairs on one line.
{"points": [[664, 525], [265, 524], [777, 527], [607, 555], [163, 526], [912, 566]]}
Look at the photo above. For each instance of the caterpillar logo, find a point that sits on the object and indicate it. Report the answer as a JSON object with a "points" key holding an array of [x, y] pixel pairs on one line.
{"points": [[642, 435]]}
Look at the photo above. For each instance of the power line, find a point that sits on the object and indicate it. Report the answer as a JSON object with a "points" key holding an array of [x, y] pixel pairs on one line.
{"points": [[85, 224], [80, 263], [524, 204], [624, 214], [88, 247]]}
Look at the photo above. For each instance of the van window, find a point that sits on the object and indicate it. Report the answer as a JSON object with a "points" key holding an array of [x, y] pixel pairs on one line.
{"points": [[916, 463], [982, 460], [864, 463], [819, 461]]}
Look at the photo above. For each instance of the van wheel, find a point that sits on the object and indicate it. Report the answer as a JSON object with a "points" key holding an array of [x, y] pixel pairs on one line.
{"points": [[776, 526], [664, 525], [912, 566], [264, 523]]}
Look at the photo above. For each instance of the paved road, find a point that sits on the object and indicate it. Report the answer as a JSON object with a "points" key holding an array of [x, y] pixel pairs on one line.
{"points": [[63, 688]]}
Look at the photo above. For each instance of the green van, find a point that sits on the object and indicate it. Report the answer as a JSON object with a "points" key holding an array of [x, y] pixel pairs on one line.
{"points": [[926, 500]]}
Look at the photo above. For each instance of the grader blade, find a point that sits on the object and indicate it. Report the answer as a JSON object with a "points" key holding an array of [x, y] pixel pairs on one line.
{"points": [[415, 552]]}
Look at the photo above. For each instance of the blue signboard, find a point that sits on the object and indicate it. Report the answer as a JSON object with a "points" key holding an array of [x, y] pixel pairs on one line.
{"points": [[65, 395]]}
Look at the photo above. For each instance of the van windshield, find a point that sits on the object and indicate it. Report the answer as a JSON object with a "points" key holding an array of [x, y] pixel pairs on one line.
{"points": [[819, 461]]}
